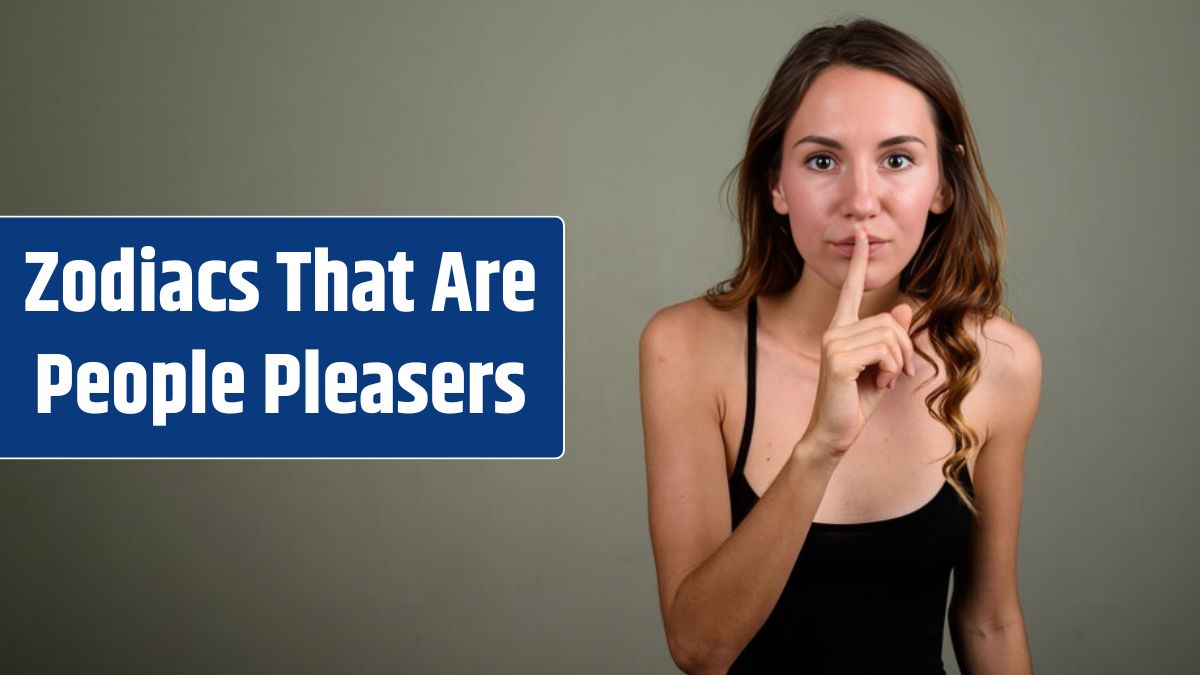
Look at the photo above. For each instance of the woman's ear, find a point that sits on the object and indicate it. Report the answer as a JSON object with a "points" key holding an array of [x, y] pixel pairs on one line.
{"points": [[945, 196], [778, 199], [942, 199]]}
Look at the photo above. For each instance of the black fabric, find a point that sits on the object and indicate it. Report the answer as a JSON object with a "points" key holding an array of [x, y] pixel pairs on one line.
{"points": [[863, 597]]}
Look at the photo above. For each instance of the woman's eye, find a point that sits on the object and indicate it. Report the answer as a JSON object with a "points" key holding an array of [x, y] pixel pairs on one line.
{"points": [[898, 155], [820, 162]]}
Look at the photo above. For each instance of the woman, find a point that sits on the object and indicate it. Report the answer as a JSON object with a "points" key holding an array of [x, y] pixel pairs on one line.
{"points": [[843, 422]]}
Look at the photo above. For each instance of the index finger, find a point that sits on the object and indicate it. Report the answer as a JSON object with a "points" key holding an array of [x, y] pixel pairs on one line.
{"points": [[856, 278]]}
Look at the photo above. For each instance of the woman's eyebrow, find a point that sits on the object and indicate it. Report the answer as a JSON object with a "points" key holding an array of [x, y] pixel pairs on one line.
{"points": [[825, 140]]}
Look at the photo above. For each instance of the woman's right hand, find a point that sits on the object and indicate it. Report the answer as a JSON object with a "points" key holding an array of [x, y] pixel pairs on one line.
{"points": [[860, 361]]}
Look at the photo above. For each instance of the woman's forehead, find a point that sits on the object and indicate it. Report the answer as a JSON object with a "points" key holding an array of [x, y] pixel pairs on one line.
{"points": [[857, 105]]}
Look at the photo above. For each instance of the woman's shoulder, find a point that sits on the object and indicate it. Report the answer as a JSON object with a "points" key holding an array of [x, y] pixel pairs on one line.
{"points": [[695, 327], [689, 353], [1010, 353], [1010, 373], [695, 342], [1007, 350]]}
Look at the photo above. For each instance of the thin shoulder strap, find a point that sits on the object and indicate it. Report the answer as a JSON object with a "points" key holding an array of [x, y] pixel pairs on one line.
{"points": [[751, 363]]}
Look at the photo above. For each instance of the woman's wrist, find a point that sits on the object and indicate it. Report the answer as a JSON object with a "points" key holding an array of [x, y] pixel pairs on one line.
{"points": [[817, 456]]}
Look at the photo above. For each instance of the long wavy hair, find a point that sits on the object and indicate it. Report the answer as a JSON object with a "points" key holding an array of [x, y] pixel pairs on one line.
{"points": [[956, 270]]}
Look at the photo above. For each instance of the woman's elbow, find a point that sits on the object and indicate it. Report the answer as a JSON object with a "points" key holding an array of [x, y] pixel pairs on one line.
{"points": [[989, 621], [990, 628], [696, 656]]}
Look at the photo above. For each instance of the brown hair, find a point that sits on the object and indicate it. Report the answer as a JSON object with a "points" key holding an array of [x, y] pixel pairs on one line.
{"points": [[956, 270]]}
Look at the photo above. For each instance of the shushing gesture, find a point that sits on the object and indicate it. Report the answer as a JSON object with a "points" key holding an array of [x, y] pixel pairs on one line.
{"points": [[861, 359]]}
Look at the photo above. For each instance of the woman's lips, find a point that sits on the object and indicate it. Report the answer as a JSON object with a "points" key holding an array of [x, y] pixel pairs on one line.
{"points": [[847, 250]]}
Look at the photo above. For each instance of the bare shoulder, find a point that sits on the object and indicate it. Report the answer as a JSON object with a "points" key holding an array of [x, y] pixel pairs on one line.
{"points": [[1010, 375], [1011, 355], [694, 331], [689, 353]]}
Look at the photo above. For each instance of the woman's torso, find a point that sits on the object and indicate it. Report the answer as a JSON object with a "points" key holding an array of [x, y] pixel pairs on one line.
{"points": [[895, 465], [868, 590]]}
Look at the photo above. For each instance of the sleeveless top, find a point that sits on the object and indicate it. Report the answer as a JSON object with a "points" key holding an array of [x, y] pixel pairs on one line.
{"points": [[862, 597]]}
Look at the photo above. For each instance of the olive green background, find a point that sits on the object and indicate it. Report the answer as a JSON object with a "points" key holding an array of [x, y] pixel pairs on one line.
{"points": [[623, 118]]}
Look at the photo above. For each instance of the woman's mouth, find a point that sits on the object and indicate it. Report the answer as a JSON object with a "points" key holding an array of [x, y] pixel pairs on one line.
{"points": [[847, 250]]}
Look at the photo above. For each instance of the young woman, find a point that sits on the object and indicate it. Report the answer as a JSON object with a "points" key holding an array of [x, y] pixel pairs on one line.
{"points": [[839, 425]]}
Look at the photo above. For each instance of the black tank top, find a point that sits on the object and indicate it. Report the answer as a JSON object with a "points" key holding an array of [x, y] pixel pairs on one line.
{"points": [[862, 597]]}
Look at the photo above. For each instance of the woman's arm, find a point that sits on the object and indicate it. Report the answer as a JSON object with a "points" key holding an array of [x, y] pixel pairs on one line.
{"points": [[716, 589], [986, 625]]}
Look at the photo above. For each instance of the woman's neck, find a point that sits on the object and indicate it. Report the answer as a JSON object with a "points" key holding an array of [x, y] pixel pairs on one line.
{"points": [[800, 315]]}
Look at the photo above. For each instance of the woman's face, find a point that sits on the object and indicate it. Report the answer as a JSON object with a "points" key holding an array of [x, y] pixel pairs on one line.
{"points": [[861, 148]]}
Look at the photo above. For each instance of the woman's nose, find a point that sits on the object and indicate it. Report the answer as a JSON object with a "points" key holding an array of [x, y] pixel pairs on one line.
{"points": [[862, 200]]}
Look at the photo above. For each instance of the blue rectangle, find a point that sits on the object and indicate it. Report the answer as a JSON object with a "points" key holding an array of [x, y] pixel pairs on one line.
{"points": [[523, 328]]}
